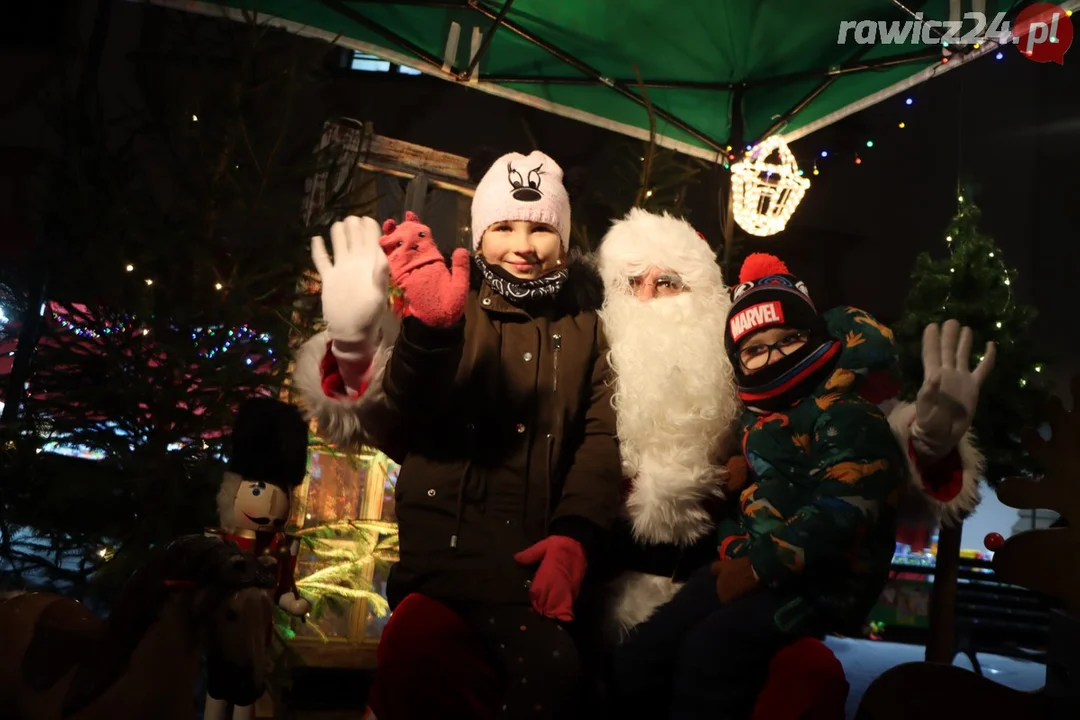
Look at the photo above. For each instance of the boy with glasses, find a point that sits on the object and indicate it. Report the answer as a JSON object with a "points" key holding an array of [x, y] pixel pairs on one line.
{"points": [[808, 547]]}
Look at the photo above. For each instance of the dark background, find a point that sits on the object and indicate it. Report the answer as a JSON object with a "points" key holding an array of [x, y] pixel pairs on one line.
{"points": [[1007, 130]]}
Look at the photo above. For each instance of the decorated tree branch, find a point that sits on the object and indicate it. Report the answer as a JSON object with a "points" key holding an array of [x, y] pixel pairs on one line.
{"points": [[973, 284], [173, 240], [346, 552]]}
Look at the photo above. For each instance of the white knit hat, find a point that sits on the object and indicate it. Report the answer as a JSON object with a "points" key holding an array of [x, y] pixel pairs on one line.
{"points": [[522, 187]]}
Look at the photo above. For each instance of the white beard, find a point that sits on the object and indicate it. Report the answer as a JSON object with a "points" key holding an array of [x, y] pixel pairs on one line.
{"points": [[675, 401]]}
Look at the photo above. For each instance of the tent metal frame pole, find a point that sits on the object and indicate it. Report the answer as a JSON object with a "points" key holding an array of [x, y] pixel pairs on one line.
{"points": [[883, 64], [565, 80], [342, 9], [813, 94], [846, 69], [798, 107], [727, 199], [585, 69], [485, 43]]}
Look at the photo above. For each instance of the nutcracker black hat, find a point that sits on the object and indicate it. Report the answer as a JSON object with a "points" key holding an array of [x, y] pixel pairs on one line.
{"points": [[270, 443], [768, 295]]}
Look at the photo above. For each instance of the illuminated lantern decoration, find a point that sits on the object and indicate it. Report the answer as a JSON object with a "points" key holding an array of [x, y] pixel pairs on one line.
{"points": [[765, 193]]}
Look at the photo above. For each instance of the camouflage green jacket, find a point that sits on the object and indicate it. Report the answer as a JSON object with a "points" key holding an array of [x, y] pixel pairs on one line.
{"points": [[818, 519]]}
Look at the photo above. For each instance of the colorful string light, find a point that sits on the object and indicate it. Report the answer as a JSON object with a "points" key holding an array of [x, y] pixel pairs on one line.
{"points": [[222, 338]]}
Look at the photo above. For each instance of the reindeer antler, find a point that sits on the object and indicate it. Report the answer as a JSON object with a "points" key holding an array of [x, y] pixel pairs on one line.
{"points": [[1048, 561]]}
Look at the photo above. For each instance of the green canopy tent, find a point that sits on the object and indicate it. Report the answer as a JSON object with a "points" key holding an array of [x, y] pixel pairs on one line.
{"points": [[713, 75], [716, 72]]}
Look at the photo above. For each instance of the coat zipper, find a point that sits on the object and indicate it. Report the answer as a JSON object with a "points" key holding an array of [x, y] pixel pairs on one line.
{"points": [[462, 481], [556, 344]]}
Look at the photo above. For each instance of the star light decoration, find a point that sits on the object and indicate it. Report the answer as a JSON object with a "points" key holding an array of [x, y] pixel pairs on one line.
{"points": [[765, 193]]}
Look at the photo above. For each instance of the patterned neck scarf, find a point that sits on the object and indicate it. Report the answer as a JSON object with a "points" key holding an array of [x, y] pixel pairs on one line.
{"points": [[518, 291]]}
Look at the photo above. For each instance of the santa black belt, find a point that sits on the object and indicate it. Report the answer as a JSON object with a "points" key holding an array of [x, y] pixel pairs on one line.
{"points": [[671, 560]]}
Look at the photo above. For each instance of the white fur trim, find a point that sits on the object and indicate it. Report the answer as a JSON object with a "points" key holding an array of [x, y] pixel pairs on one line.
{"points": [[950, 512], [494, 200], [635, 596], [642, 240], [675, 397], [344, 422], [667, 507]]}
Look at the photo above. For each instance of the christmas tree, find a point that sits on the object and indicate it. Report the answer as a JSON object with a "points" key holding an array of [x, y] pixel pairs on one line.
{"points": [[973, 284], [172, 241]]}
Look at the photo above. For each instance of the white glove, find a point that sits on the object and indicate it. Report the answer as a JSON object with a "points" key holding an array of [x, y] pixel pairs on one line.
{"points": [[293, 605], [355, 283], [945, 405]]}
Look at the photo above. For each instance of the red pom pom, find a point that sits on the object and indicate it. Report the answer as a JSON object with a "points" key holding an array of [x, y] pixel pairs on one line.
{"points": [[759, 265], [994, 542]]}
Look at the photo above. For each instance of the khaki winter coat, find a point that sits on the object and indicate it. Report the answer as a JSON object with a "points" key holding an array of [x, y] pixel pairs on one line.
{"points": [[505, 432]]}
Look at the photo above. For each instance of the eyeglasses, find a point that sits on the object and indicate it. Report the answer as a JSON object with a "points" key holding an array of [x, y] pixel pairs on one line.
{"points": [[669, 283], [757, 356]]}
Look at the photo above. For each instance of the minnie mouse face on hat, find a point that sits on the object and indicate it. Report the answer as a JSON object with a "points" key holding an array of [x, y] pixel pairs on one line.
{"points": [[525, 188]]}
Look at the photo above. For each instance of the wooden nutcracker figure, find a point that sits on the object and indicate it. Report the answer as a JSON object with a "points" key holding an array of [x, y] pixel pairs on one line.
{"points": [[267, 463]]}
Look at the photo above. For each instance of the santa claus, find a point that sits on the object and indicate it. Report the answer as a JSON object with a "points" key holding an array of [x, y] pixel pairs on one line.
{"points": [[676, 401], [677, 408]]}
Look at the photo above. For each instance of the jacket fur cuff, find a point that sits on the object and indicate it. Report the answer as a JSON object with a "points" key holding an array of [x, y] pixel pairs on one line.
{"points": [[949, 487], [339, 415]]}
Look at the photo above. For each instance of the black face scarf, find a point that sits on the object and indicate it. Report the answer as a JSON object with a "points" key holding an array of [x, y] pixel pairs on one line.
{"points": [[785, 382], [518, 291]]}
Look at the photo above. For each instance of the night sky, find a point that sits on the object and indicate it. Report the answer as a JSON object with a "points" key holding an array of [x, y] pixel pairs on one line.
{"points": [[1009, 130]]}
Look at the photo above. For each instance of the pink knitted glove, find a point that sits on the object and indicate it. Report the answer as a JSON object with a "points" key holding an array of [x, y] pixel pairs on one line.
{"points": [[436, 295]]}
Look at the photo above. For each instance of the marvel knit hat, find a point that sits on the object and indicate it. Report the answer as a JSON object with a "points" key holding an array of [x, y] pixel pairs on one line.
{"points": [[522, 187], [768, 295]]}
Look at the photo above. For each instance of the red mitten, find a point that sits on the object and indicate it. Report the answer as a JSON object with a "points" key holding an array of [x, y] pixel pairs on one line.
{"points": [[557, 581], [435, 295]]}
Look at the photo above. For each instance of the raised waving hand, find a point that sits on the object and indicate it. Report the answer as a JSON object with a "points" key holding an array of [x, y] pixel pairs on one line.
{"points": [[945, 405], [354, 282]]}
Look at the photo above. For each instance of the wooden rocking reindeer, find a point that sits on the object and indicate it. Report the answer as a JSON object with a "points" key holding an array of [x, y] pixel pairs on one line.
{"points": [[1046, 561], [58, 661]]}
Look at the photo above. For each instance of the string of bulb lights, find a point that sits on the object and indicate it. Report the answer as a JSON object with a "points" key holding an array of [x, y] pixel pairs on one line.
{"points": [[857, 156]]}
